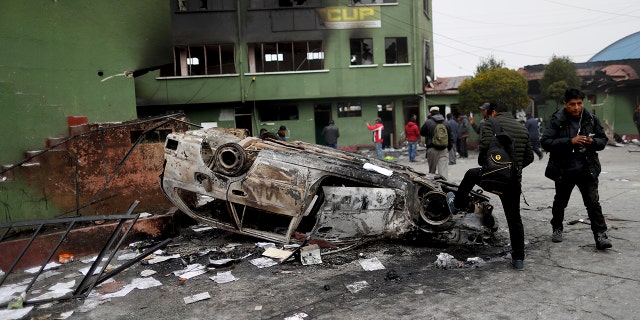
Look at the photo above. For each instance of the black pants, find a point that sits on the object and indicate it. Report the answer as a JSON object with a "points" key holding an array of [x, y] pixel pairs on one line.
{"points": [[535, 144], [589, 190], [510, 204]]}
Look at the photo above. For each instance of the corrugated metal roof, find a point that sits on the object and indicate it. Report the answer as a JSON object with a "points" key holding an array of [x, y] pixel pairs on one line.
{"points": [[625, 48]]}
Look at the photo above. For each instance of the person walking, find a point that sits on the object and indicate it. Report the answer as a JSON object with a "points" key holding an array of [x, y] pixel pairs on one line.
{"points": [[376, 130], [412, 132], [636, 119], [463, 134], [438, 142], [534, 134], [331, 133], [572, 138], [510, 199], [453, 123]]}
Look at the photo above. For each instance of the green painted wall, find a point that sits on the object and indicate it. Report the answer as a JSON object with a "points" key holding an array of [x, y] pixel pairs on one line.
{"points": [[337, 82], [50, 59]]}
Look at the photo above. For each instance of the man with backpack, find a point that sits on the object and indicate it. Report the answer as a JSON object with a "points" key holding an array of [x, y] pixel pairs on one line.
{"points": [[499, 117], [439, 140]]}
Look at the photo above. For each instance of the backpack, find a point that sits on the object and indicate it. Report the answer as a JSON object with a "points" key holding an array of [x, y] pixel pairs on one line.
{"points": [[440, 138], [499, 171]]}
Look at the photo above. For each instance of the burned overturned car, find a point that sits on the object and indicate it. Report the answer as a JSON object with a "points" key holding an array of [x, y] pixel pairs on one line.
{"points": [[292, 192]]}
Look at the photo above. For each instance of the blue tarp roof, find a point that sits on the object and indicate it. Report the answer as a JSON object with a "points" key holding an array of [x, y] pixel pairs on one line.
{"points": [[625, 48]]}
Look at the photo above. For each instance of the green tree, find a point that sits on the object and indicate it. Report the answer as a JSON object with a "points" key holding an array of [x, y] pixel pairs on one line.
{"points": [[494, 84], [489, 63], [559, 75]]}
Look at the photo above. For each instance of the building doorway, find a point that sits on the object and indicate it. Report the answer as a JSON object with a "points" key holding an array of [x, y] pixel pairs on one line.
{"points": [[322, 115]]}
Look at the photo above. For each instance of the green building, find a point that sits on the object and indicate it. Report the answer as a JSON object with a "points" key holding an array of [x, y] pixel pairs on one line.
{"points": [[263, 64], [71, 66]]}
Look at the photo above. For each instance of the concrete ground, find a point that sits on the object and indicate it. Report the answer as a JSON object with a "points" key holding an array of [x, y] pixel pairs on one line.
{"points": [[568, 280]]}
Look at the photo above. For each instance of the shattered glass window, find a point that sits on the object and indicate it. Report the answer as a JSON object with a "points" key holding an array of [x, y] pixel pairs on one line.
{"points": [[204, 60], [349, 109], [396, 50], [286, 56], [361, 51]]}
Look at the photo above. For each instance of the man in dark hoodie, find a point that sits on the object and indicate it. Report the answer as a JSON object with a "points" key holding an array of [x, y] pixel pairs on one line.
{"points": [[437, 153], [573, 138]]}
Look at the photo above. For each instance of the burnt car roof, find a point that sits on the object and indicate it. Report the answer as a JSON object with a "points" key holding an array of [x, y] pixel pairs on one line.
{"points": [[291, 192]]}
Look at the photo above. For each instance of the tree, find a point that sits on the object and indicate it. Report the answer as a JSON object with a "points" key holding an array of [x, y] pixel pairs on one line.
{"points": [[489, 63], [491, 85], [559, 75]]}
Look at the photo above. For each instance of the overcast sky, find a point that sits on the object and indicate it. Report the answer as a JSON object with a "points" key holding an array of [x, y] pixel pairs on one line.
{"points": [[526, 32]]}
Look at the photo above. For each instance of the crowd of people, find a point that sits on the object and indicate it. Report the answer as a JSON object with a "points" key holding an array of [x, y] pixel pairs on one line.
{"points": [[572, 138]]}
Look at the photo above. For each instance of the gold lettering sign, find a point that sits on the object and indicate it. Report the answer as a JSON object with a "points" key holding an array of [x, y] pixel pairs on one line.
{"points": [[350, 17]]}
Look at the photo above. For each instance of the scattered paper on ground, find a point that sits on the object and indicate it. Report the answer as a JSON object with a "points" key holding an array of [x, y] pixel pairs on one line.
{"points": [[357, 286], [197, 297], [147, 272], [223, 277], [275, 253], [137, 283], [158, 259], [11, 314], [190, 271], [310, 255], [297, 316], [371, 264], [49, 265], [263, 262]]}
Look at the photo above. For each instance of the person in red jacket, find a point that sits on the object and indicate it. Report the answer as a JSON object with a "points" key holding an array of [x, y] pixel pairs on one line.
{"points": [[412, 132], [377, 136]]}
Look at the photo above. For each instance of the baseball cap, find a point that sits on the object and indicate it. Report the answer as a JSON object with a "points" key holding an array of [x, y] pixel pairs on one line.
{"points": [[379, 119], [283, 128], [485, 106]]}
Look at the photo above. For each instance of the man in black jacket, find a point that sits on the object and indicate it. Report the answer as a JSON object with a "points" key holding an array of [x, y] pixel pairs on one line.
{"points": [[573, 137], [511, 199]]}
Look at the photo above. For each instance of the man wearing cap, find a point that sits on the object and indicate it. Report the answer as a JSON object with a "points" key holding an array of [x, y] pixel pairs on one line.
{"points": [[483, 109], [330, 133], [437, 156], [376, 129], [282, 133]]}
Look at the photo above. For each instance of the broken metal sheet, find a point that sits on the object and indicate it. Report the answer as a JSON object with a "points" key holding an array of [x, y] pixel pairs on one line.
{"points": [[294, 191]]}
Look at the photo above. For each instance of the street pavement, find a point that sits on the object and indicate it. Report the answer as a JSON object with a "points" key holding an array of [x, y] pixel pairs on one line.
{"points": [[568, 280]]}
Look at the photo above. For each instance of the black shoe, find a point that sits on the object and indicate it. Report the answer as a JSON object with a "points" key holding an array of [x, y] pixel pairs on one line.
{"points": [[602, 241], [556, 236], [518, 264]]}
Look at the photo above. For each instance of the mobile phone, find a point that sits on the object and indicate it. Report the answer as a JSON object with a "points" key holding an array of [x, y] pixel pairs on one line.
{"points": [[591, 135]]}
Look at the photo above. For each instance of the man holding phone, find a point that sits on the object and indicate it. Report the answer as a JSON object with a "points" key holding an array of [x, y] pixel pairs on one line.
{"points": [[573, 138]]}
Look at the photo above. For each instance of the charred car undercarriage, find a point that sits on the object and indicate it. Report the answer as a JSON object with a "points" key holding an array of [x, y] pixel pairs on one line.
{"points": [[292, 192]]}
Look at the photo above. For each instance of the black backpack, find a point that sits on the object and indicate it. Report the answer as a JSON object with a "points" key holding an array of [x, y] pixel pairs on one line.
{"points": [[499, 171]]}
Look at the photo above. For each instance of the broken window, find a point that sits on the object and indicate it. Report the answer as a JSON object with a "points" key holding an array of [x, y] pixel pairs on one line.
{"points": [[206, 5], [278, 112], [349, 109], [368, 2], [396, 50], [204, 60], [286, 56], [361, 51], [273, 4]]}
